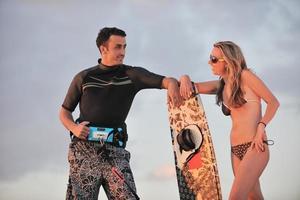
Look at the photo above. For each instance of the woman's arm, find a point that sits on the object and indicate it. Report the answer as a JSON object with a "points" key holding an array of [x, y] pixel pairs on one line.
{"points": [[258, 86], [186, 87], [207, 87], [260, 89]]}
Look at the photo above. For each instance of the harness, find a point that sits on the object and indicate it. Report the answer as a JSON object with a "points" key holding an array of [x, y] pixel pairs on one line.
{"points": [[114, 136]]}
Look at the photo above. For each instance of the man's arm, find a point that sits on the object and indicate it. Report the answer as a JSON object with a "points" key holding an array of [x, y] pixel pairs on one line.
{"points": [[144, 79], [171, 84], [79, 130]]}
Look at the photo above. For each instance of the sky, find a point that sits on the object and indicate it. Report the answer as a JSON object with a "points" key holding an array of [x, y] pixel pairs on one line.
{"points": [[45, 43]]}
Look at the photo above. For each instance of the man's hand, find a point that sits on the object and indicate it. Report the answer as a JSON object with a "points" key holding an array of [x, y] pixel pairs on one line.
{"points": [[81, 130], [174, 97]]}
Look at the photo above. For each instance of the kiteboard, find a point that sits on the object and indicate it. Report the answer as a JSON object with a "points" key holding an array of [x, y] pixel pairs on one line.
{"points": [[195, 161]]}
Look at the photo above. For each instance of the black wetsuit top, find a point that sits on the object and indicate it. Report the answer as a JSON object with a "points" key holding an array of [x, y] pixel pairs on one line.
{"points": [[105, 94]]}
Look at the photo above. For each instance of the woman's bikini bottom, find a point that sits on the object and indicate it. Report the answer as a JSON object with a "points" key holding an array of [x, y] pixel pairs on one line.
{"points": [[241, 149]]}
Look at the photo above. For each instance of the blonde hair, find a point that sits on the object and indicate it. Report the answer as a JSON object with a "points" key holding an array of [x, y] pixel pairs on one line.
{"points": [[236, 63]]}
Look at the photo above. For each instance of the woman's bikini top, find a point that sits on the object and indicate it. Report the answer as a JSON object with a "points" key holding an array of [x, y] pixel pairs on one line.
{"points": [[226, 110]]}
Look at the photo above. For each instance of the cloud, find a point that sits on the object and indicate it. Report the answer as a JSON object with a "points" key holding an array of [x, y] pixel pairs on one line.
{"points": [[36, 185], [44, 45], [163, 172]]}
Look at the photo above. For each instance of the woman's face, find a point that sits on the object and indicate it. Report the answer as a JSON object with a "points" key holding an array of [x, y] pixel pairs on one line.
{"points": [[217, 62]]}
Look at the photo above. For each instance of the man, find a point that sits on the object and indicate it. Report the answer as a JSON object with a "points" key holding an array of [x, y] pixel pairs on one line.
{"points": [[105, 92]]}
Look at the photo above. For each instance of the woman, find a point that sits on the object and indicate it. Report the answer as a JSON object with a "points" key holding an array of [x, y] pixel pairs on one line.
{"points": [[239, 92]]}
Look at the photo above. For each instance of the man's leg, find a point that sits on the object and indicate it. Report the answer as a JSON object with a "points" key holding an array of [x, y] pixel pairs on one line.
{"points": [[118, 178], [84, 176], [69, 195]]}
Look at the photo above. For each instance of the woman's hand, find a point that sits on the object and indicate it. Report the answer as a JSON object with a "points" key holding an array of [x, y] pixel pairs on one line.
{"points": [[260, 137], [186, 87]]}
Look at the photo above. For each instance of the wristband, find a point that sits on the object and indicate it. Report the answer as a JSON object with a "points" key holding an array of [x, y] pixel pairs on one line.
{"points": [[262, 123], [194, 88]]}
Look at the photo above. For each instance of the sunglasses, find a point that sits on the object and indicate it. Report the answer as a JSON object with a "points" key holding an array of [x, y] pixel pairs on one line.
{"points": [[214, 59]]}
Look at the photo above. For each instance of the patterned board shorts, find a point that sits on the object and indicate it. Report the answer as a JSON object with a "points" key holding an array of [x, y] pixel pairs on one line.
{"points": [[91, 167]]}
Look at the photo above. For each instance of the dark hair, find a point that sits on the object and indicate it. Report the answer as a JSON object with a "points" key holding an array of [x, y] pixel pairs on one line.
{"points": [[106, 32], [219, 94]]}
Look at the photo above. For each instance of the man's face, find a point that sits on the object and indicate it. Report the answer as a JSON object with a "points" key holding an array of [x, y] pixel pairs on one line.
{"points": [[113, 52]]}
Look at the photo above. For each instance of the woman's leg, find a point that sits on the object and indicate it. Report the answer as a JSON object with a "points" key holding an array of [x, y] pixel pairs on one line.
{"points": [[255, 192], [235, 162], [247, 174]]}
